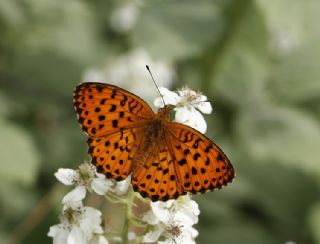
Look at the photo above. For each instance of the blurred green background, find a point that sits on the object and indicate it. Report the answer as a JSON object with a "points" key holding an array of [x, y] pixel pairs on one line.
{"points": [[258, 61]]}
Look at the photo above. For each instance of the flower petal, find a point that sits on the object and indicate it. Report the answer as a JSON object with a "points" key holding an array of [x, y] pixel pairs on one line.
{"points": [[101, 185], [58, 233], [150, 218], [184, 237], [169, 97], [204, 107], [66, 176], [161, 210], [182, 114], [152, 236], [74, 197], [194, 232], [54, 230], [91, 222], [188, 207], [193, 118], [76, 236], [122, 186], [181, 218]]}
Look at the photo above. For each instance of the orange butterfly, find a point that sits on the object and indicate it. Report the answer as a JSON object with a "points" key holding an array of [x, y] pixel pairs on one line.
{"points": [[166, 159]]}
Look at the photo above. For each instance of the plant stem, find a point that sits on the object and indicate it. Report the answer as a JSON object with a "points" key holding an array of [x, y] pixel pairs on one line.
{"points": [[128, 213]]}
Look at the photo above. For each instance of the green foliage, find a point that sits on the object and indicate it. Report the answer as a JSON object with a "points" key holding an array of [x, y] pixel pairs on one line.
{"points": [[177, 25], [258, 62]]}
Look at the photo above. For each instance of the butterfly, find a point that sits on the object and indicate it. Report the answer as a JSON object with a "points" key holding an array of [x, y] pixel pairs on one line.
{"points": [[165, 159]]}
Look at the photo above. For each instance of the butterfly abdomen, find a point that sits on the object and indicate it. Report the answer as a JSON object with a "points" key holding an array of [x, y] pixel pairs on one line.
{"points": [[152, 135]]}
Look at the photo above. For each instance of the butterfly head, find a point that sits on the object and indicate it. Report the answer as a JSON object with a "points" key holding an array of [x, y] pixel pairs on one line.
{"points": [[164, 112]]}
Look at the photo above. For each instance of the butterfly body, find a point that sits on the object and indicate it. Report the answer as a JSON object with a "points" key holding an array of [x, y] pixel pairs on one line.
{"points": [[166, 159]]}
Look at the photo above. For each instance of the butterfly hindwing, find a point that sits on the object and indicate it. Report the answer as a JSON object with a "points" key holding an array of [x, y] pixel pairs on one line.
{"points": [[104, 109], [200, 164], [157, 178], [113, 154]]}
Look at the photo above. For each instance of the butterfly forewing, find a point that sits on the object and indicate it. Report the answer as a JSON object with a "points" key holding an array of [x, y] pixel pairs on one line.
{"points": [[104, 109], [200, 164], [112, 118]]}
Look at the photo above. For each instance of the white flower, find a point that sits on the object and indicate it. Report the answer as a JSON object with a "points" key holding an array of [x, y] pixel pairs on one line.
{"points": [[184, 204], [122, 186], [67, 176], [124, 18], [172, 221], [187, 104], [101, 185], [78, 225], [73, 199], [177, 228], [85, 176], [129, 71]]}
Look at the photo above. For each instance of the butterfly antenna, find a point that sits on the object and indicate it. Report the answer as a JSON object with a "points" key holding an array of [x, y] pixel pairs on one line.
{"points": [[154, 82]]}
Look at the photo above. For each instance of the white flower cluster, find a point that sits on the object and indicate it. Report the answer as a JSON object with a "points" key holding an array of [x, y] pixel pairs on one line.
{"points": [[187, 104], [86, 177], [79, 224], [172, 221]]}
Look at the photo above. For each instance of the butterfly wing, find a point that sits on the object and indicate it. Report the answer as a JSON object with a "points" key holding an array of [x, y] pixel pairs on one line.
{"points": [[112, 118], [104, 109], [113, 154], [199, 163], [156, 179]]}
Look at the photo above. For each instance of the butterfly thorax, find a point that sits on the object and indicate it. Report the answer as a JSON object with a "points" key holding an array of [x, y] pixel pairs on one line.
{"points": [[153, 135], [164, 112]]}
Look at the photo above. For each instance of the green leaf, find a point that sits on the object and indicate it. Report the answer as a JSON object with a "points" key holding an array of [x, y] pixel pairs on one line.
{"points": [[239, 70], [296, 78], [274, 196], [294, 19], [10, 13], [17, 200], [241, 232], [177, 29], [55, 44], [284, 135], [19, 158], [314, 221]]}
